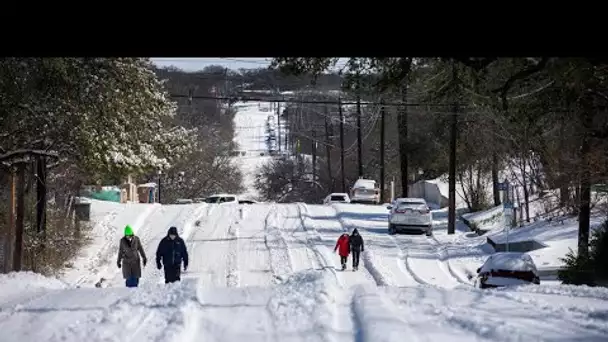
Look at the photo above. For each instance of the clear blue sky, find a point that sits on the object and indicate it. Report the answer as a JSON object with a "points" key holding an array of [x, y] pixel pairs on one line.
{"points": [[234, 63]]}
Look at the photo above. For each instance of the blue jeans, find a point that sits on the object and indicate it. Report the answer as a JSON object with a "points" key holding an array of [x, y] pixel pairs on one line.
{"points": [[132, 282]]}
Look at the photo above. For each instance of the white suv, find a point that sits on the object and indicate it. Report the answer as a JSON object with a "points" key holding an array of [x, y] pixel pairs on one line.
{"points": [[410, 214], [365, 191]]}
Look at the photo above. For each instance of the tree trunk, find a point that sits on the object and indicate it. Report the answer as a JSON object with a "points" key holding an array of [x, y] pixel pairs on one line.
{"points": [[585, 192], [495, 180], [525, 187], [41, 197], [19, 221]]}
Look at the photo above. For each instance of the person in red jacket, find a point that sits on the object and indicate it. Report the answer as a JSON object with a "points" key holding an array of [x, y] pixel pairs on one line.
{"points": [[343, 248]]}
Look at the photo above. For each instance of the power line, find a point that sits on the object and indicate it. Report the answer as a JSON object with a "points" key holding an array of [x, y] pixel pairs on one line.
{"points": [[284, 100]]}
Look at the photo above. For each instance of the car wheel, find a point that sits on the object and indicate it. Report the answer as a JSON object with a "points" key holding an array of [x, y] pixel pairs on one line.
{"points": [[391, 229], [429, 231]]}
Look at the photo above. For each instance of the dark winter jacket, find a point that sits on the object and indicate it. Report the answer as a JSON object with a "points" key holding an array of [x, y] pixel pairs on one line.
{"points": [[342, 245], [128, 257], [356, 241], [172, 252]]}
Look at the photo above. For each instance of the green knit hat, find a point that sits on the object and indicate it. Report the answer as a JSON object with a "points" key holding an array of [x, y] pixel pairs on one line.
{"points": [[128, 230]]}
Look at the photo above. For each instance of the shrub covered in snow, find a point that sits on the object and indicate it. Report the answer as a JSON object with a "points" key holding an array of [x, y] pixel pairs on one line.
{"points": [[591, 270]]}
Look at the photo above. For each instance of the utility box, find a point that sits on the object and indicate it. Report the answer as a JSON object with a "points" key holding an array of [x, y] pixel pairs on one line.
{"points": [[83, 211]]}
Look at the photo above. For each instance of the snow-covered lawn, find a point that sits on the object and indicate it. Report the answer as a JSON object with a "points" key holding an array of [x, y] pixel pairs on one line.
{"points": [[558, 235]]}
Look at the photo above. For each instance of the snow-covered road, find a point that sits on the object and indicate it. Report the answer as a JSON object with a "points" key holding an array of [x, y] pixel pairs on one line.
{"points": [[267, 272], [272, 275]]}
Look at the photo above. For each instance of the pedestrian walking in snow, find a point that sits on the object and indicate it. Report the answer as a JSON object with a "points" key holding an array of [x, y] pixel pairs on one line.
{"points": [[356, 247], [343, 248], [172, 251], [129, 250]]}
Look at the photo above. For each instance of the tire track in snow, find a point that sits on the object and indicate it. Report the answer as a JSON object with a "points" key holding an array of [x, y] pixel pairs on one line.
{"points": [[381, 258], [254, 261], [232, 278], [441, 250], [428, 259], [209, 248], [377, 318], [281, 263]]}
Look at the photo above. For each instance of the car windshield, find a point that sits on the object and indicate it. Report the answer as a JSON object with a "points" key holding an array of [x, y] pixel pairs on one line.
{"points": [[213, 199], [337, 198]]}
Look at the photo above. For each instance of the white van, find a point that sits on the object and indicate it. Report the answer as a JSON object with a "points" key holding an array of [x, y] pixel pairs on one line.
{"points": [[365, 191]]}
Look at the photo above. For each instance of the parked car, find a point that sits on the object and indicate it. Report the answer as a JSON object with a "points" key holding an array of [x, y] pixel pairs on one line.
{"points": [[246, 201], [410, 214], [199, 200], [336, 197], [184, 201], [365, 191], [222, 198], [507, 269]]}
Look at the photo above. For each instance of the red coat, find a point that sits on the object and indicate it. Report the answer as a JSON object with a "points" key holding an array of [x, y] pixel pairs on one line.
{"points": [[343, 245]]}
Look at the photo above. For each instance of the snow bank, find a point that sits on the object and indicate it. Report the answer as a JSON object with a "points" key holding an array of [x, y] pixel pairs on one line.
{"points": [[490, 219], [15, 285], [302, 304]]}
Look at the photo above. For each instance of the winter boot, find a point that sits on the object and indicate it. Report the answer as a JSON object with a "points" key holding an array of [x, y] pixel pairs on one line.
{"points": [[343, 267]]}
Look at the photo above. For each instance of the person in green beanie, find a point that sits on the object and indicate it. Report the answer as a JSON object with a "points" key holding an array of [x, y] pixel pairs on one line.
{"points": [[128, 257]]}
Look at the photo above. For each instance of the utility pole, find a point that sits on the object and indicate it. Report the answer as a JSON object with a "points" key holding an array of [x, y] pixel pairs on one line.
{"points": [[452, 160], [342, 144], [279, 125], [382, 123], [403, 142], [20, 194], [328, 149], [314, 155], [359, 139]]}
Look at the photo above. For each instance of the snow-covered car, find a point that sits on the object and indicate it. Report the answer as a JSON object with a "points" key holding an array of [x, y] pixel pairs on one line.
{"points": [[337, 197], [222, 198], [410, 214], [365, 191], [506, 269], [247, 201], [184, 201]]}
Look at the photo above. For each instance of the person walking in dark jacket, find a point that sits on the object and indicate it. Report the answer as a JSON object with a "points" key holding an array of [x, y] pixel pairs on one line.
{"points": [[172, 251], [356, 247]]}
